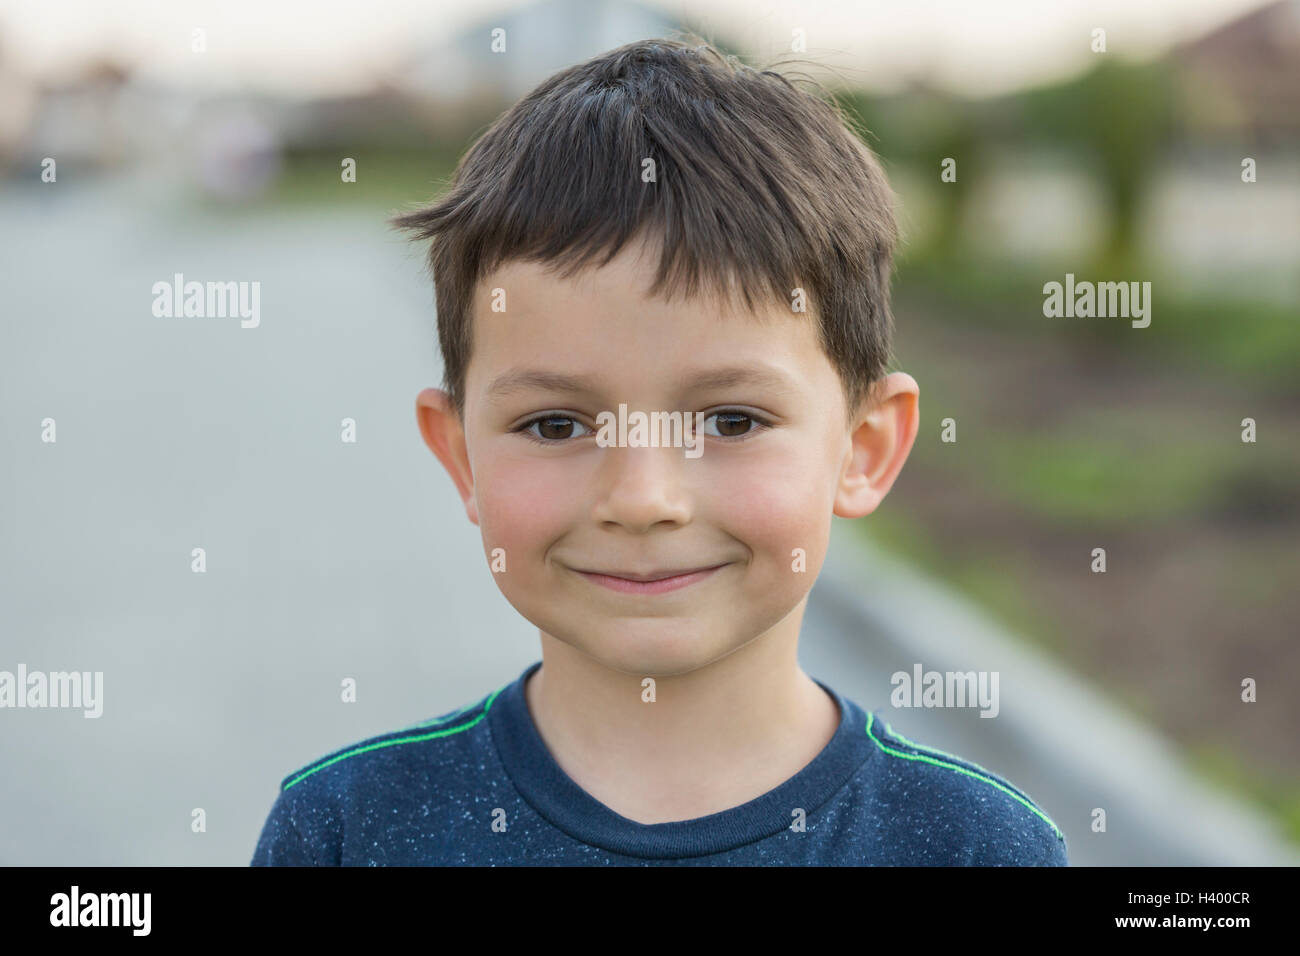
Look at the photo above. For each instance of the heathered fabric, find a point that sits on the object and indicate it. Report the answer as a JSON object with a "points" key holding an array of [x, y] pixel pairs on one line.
{"points": [[477, 786]]}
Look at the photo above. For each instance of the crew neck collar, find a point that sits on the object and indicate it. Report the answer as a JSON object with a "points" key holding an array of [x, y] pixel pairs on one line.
{"points": [[559, 800]]}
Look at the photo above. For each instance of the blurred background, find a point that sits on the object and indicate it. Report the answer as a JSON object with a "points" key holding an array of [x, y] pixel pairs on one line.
{"points": [[209, 139]]}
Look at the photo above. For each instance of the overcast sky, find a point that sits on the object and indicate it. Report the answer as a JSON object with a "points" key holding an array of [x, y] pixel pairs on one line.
{"points": [[315, 46]]}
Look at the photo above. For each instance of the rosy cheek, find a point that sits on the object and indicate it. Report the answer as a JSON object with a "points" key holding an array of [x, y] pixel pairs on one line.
{"points": [[522, 505], [774, 510]]}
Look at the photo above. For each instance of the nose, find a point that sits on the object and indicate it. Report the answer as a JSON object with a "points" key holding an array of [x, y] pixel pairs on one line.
{"points": [[641, 487]]}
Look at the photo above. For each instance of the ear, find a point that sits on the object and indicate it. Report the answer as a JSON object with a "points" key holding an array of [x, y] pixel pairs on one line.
{"points": [[879, 444], [442, 431]]}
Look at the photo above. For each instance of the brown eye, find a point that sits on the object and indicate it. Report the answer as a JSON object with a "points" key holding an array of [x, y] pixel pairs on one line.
{"points": [[555, 428], [737, 424], [732, 424], [550, 429]]}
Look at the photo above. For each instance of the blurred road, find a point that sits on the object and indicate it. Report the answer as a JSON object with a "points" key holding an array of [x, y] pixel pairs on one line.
{"points": [[328, 560]]}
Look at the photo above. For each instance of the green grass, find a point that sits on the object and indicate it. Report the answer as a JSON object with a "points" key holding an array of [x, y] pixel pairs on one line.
{"points": [[1104, 465], [1232, 333], [388, 182], [385, 178], [1073, 478], [1276, 795]]}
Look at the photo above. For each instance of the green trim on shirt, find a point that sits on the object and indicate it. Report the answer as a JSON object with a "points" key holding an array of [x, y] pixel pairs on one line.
{"points": [[959, 769]]}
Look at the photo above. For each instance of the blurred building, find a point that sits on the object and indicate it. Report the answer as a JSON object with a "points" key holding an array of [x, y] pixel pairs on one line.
{"points": [[18, 102], [80, 121], [1243, 79]]}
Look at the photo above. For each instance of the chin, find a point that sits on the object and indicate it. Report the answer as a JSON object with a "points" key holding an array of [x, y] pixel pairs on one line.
{"points": [[653, 655]]}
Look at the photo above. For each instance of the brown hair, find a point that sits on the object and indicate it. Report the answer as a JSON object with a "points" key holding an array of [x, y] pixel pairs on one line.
{"points": [[758, 184]]}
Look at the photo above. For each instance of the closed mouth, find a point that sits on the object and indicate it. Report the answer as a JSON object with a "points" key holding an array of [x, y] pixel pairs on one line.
{"points": [[652, 575]]}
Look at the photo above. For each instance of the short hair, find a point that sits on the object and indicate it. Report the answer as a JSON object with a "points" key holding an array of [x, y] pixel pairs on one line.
{"points": [[757, 185]]}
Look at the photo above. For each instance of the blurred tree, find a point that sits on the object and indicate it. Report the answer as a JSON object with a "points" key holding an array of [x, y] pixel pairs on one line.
{"points": [[1118, 116], [920, 128]]}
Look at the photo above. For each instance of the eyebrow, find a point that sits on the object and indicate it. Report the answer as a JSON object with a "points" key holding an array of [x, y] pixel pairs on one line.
{"points": [[525, 379]]}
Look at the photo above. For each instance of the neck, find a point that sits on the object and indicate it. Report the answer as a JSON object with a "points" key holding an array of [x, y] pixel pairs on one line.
{"points": [[713, 738]]}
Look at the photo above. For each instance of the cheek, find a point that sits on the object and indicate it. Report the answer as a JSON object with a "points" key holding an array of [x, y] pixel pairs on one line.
{"points": [[777, 505], [523, 505]]}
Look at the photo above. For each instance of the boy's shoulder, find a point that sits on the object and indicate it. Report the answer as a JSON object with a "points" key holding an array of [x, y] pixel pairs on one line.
{"points": [[417, 772], [446, 736], [981, 814]]}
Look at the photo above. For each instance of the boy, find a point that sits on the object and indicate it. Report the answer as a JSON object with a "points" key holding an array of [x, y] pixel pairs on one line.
{"points": [[663, 230]]}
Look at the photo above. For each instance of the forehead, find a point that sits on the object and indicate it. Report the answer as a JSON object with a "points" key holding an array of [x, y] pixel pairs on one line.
{"points": [[627, 277], [602, 325]]}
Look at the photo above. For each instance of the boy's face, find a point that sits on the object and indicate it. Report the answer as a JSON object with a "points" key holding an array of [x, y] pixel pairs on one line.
{"points": [[754, 501]]}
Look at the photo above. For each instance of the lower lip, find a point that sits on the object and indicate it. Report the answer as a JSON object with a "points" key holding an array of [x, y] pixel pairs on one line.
{"points": [[649, 587]]}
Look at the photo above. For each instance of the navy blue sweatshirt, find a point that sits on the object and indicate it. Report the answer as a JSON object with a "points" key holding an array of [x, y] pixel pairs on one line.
{"points": [[478, 787]]}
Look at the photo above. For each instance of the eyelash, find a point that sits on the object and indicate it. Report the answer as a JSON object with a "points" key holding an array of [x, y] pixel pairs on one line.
{"points": [[525, 427]]}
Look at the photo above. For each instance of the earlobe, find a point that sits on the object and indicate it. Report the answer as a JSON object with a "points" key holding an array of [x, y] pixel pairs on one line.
{"points": [[441, 430]]}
